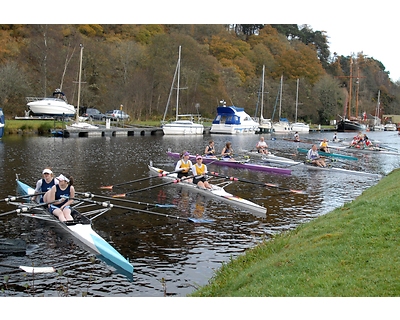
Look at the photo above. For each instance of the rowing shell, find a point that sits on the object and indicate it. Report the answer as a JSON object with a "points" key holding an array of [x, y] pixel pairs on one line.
{"points": [[81, 230], [236, 164], [326, 154], [334, 169], [374, 150], [216, 192], [275, 159]]}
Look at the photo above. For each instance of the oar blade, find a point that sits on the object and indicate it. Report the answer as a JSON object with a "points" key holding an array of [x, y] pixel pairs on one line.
{"points": [[298, 191], [38, 269], [120, 195], [199, 220], [106, 187]]}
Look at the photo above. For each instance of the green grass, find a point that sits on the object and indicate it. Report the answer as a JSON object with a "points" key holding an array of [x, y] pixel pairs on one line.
{"points": [[351, 252]]}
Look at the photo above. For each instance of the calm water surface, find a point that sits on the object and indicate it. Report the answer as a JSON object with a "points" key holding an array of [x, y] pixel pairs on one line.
{"points": [[170, 257]]}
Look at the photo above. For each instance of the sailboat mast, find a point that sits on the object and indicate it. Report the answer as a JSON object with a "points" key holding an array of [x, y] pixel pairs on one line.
{"points": [[177, 86], [262, 93], [280, 99], [350, 86], [297, 99], [79, 83]]}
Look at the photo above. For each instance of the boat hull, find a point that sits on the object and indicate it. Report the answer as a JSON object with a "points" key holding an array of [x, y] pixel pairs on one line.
{"points": [[281, 127], [52, 107], [85, 234], [236, 164], [300, 127], [217, 192], [332, 155], [183, 127], [348, 125]]}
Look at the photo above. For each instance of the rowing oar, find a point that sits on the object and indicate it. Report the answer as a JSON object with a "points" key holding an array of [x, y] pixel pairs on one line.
{"points": [[13, 198], [23, 208], [216, 174], [111, 205], [31, 269], [122, 195], [162, 174], [90, 195]]}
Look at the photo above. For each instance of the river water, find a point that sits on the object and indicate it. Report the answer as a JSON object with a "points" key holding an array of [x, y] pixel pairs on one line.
{"points": [[170, 257]]}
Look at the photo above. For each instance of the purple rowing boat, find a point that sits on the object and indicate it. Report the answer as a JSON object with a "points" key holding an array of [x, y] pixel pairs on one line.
{"points": [[236, 164]]}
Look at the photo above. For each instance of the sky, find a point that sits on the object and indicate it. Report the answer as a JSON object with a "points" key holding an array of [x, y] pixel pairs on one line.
{"points": [[351, 26]]}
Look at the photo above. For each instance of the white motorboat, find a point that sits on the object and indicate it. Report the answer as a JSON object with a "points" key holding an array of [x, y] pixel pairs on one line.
{"points": [[184, 123], [300, 127], [56, 106], [233, 120], [390, 127]]}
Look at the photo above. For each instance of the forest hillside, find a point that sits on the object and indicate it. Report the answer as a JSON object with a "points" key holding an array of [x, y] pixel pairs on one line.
{"points": [[134, 65]]}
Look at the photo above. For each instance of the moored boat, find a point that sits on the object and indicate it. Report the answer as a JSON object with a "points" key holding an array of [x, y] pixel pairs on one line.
{"points": [[183, 124], [81, 229], [56, 106], [233, 120], [217, 192], [236, 164], [2, 123], [349, 125]]}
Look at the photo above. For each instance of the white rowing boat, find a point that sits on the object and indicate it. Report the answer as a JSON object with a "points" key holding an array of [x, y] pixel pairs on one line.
{"points": [[274, 159], [340, 170], [81, 228], [217, 192]]}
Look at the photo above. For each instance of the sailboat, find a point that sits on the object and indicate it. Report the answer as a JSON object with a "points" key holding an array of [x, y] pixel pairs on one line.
{"points": [[180, 126], [80, 124], [265, 125], [378, 126], [299, 126], [283, 125]]}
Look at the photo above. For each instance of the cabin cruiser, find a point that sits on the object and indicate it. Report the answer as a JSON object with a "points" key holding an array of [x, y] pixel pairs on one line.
{"points": [[56, 106], [233, 120]]}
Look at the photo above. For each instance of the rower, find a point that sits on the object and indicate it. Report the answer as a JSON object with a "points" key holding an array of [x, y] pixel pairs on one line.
{"points": [[323, 146], [314, 157], [199, 171], [296, 137], [185, 164]]}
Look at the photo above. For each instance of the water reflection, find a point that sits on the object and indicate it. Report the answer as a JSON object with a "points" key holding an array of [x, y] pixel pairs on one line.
{"points": [[184, 254]]}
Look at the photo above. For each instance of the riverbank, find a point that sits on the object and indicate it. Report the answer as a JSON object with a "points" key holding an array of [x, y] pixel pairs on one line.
{"points": [[351, 252], [39, 126]]}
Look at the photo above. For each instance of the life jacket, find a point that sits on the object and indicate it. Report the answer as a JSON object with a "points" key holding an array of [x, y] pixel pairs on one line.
{"points": [[200, 170], [185, 166], [62, 194]]}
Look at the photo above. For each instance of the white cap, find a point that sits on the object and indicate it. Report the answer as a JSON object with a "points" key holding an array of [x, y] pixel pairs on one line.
{"points": [[62, 178], [47, 171]]}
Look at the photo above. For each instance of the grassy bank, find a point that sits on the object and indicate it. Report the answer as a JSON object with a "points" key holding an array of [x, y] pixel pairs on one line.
{"points": [[45, 126], [351, 252]]}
